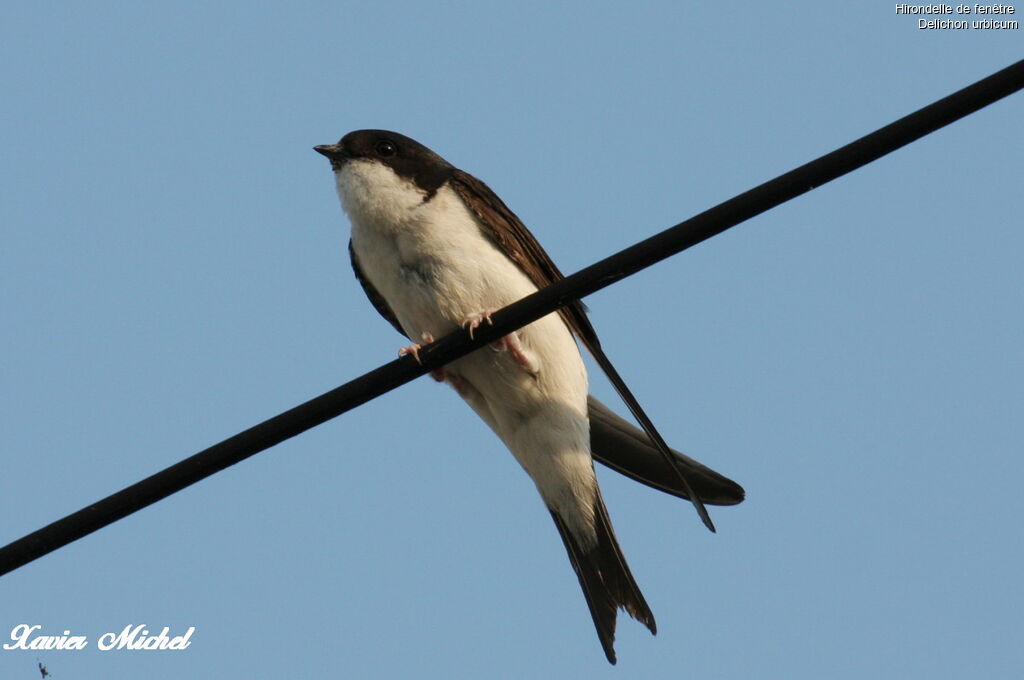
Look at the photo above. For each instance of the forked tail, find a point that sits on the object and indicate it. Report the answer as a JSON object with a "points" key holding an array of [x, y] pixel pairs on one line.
{"points": [[606, 580]]}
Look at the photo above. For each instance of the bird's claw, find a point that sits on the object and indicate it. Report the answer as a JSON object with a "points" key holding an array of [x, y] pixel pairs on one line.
{"points": [[414, 350], [522, 356], [473, 321]]}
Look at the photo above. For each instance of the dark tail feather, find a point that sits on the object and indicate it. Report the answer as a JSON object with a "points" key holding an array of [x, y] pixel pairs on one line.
{"points": [[627, 449], [606, 580]]}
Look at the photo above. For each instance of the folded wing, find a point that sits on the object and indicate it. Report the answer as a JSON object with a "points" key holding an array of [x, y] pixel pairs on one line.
{"points": [[627, 449]]}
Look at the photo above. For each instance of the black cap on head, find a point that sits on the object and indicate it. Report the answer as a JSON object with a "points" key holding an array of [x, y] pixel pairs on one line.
{"points": [[407, 157]]}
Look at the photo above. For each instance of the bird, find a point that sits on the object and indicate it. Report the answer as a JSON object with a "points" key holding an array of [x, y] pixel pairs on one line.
{"points": [[435, 251]]}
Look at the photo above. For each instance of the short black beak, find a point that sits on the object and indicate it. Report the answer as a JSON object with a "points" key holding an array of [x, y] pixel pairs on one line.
{"points": [[332, 151]]}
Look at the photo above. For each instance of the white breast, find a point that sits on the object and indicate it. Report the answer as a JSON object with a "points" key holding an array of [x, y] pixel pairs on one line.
{"points": [[429, 259], [435, 267]]}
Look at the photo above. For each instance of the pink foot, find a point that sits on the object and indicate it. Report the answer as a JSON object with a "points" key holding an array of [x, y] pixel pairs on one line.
{"points": [[414, 349], [473, 321], [510, 343], [523, 357]]}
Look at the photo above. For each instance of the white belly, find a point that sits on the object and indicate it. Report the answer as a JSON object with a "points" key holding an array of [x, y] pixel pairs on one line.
{"points": [[435, 268]]}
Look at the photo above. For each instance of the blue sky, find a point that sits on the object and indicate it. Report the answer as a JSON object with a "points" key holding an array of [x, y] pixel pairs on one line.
{"points": [[174, 271]]}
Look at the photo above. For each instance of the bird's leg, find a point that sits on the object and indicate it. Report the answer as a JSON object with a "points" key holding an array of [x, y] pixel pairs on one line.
{"points": [[414, 349], [473, 321], [437, 374], [510, 343], [523, 357]]}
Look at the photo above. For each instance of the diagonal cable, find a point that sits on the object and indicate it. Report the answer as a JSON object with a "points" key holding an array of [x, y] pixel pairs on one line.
{"points": [[584, 282]]}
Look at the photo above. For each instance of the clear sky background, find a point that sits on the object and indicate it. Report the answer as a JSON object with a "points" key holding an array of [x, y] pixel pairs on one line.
{"points": [[174, 270]]}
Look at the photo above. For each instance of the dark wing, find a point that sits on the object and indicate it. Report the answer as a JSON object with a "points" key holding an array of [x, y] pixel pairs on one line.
{"points": [[516, 241], [627, 450], [378, 301]]}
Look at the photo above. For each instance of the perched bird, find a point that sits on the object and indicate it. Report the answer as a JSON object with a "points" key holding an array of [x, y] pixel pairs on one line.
{"points": [[435, 251]]}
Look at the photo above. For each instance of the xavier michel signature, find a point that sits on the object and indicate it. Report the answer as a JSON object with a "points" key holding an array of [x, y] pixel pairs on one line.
{"points": [[131, 637]]}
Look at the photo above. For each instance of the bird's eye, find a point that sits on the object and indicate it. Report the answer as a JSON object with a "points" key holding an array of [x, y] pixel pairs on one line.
{"points": [[386, 149]]}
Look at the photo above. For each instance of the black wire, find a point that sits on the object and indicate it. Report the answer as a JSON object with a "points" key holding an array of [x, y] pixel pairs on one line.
{"points": [[521, 313]]}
